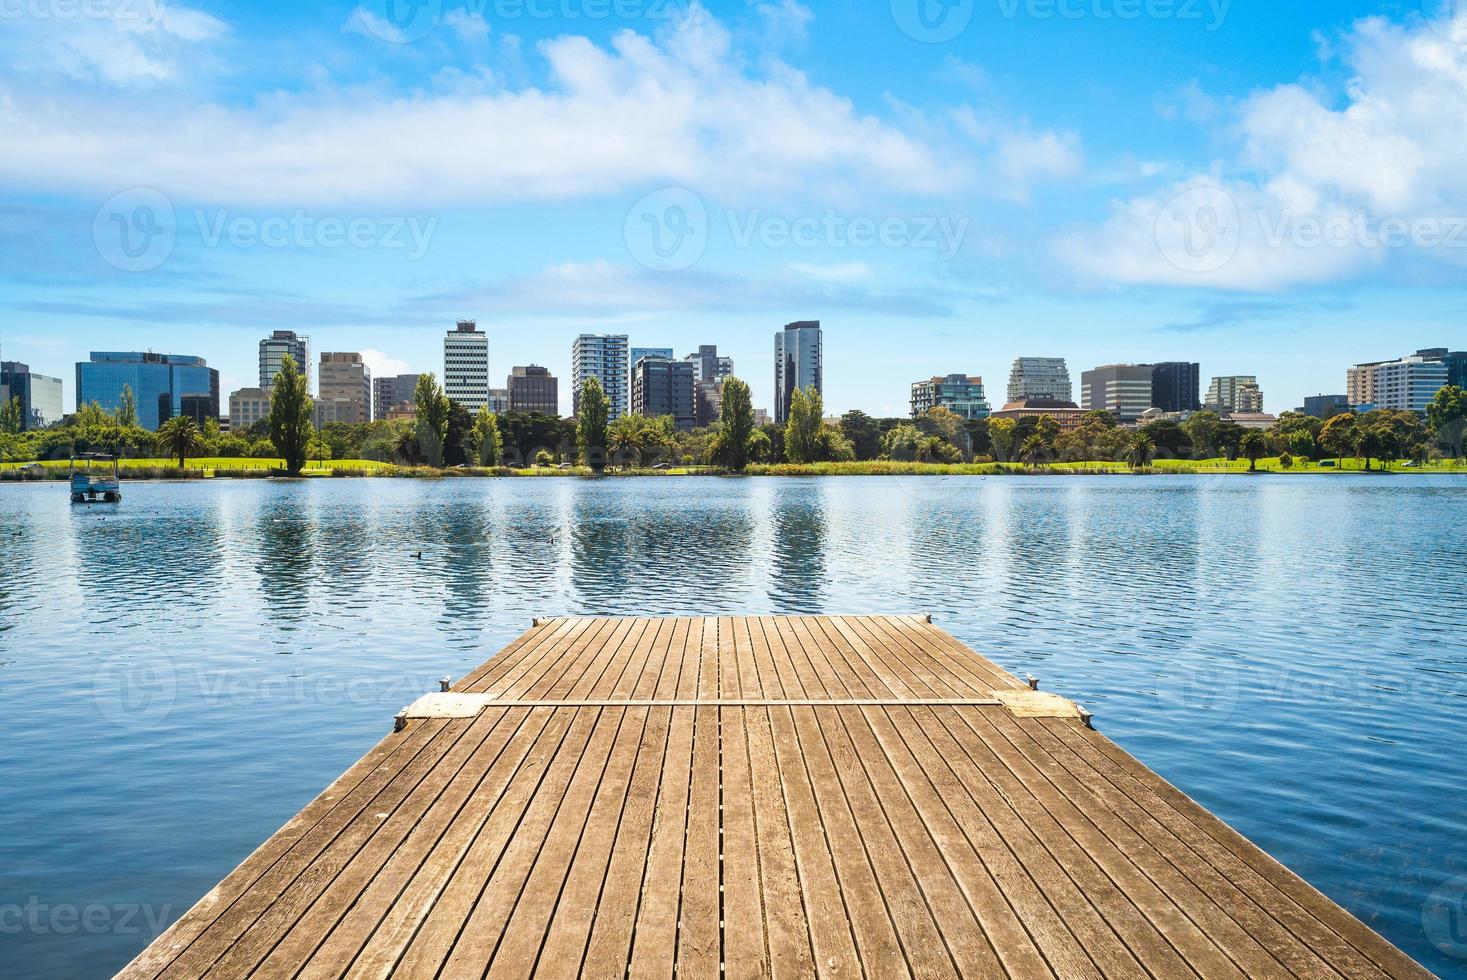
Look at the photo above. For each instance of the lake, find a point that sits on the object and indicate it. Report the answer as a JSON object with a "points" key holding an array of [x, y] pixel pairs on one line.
{"points": [[180, 674]]}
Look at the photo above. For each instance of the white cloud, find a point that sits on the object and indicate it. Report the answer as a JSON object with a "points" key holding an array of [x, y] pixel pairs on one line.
{"points": [[383, 365], [124, 44], [682, 108], [839, 272], [1325, 185], [467, 24]]}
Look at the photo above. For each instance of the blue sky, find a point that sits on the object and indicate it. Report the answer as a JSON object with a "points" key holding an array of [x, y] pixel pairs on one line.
{"points": [[1270, 189]]}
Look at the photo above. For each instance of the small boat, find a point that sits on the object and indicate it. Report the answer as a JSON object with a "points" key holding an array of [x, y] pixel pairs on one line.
{"points": [[90, 480]]}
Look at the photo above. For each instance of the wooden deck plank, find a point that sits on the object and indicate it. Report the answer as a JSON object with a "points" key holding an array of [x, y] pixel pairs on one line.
{"points": [[756, 797]]}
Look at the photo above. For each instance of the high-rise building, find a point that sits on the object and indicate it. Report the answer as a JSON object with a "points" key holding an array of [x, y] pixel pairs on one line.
{"points": [[711, 367], [40, 395], [248, 406], [638, 353], [662, 386], [346, 378], [499, 402], [799, 362], [390, 390], [1176, 386], [534, 389], [1456, 362], [1325, 406], [1123, 390], [604, 357], [159, 383], [1233, 393], [466, 366], [273, 350], [1041, 378], [707, 403], [1407, 385], [957, 392]]}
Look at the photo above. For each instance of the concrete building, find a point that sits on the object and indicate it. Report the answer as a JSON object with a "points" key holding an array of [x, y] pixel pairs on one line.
{"points": [[761, 416], [1408, 384], [1045, 378], [326, 411], [159, 383], [1325, 406], [709, 366], [662, 386], [1234, 393], [273, 350], [1176, 386], [707, 403], [40, 395], [466, 366], [799, 362], [390, 390], [1067, 414], [403, 412], [960, 393], [499, 401], [346, 377], [606, 358], [248, 406], [534, 389], [1123, 390]]}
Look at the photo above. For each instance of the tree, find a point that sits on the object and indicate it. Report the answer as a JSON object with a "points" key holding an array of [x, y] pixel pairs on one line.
{"points": [[1373, 440], [291, 430], [1253, 445], [1140, 450], [434, 409], [1202, 431], [127, 408], [1337, 435], [861, 431], [180, 436], [624, 440], [736, 421], [591, 426], [12, 422], [1447, 418], [1001, 435], [802, 431], [1035, 451], [458, 449], [488, 448], [1099, 417]]}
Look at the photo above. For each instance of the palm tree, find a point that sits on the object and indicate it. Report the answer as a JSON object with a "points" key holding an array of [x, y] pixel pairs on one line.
{"points": [[624, 439], [1035, 451], [1140, 451], [180, 435], [1253, 445]]}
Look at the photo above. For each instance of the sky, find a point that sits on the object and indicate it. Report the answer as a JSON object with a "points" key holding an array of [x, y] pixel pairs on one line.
{"points": [[1274, 189]]}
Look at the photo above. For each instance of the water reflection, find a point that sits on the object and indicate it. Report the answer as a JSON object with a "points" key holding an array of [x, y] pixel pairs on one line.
{"points": [[798, 561]]}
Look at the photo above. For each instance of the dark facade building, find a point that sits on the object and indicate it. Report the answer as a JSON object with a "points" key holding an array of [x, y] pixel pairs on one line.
{"points": [[1456, 362], [710, 366], [708, 403], [1176, 386], [534, 389], [1325, 406], [665, 387], [799, 362], [159, 384], [40, 396]]}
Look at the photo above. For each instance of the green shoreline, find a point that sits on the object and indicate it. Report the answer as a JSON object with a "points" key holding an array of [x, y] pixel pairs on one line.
{"points": [[146, 470]]}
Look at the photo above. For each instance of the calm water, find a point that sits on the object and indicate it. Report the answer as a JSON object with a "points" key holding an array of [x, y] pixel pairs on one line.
{"points": [[181, 674]]}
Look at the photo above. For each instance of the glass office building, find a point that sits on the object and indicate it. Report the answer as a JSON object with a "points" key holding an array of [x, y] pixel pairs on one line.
{"points": [[39, 395], [163, 385]]}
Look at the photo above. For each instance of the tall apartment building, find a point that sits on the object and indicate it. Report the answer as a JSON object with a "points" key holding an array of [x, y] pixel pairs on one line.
{"points": [[1041, 378], [637, 353], [662, 386], [1123, 390], [466, 366], [799, 362], [1234, 393], [390, 390], [1176, 386], [711, 367], [248, 406], [1408, 384], [159, 383], [346, 378], [39, 394], [958, 392], [606, 358], [273, 350], [707, 403], [533, 389]]}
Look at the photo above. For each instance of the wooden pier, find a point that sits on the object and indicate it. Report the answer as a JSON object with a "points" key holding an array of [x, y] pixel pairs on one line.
{"points": [[790, 797]]}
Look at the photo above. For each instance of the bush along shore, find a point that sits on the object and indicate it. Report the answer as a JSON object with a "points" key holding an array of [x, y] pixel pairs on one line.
{"points": [[444, 440]]}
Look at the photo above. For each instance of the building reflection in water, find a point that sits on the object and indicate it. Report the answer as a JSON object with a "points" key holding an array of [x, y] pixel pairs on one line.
{"points": [[798, 520]]}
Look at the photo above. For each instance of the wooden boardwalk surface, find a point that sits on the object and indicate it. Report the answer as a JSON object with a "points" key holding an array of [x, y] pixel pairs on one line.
{"points": [[838, 796]]}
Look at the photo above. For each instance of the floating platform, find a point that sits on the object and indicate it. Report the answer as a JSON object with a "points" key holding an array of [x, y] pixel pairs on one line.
{"points": [[763, 796]]}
